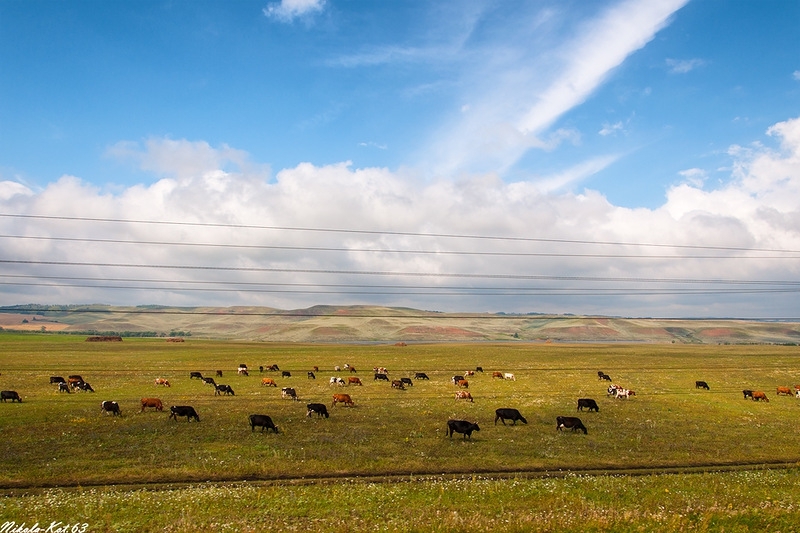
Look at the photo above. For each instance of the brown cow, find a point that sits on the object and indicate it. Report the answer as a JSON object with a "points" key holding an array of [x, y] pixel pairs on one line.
{"points": [[759, 395], [268, 382], [397, 384], [463, 383], [785, 390], [464, 395], [354, 381], [342, 398], [152, 402], [162, 381], [497, 375]]}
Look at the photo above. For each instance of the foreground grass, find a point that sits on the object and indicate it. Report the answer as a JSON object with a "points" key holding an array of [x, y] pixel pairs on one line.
{"points": [[731, 502]]}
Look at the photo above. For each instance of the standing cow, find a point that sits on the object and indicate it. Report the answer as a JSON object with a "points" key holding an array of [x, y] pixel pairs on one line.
{"points": [[183, 410], [111, 407], [570, 422], [461, 426], [506, 413], [264, 421]]}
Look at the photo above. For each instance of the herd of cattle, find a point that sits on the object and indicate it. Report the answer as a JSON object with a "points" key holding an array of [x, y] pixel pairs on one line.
{"points": [[76, 383]]}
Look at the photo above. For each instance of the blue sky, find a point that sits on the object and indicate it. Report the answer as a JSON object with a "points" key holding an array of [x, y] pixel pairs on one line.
{"points": [[665, 122]]}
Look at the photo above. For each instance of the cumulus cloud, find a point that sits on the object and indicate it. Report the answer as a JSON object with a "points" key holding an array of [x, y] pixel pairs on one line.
{"points": [[235, 235], [289, 10]]}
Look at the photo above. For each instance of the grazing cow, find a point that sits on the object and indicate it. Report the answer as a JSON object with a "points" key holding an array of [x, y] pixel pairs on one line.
{"points": [[461, 426], [155, 403], [223, 389], [747, 393], [759, 395], [606, 377], [268, 382], [612, 389], [318, 408], [456, 379], [407, 381], [219, 373], [165, 383], [264, 421], [198, 375], [75, 377], [379, 376], [63, 387], [701, 385], [210, 381], [73, 381], [421, 375], [82, 385], [588, 403], [784, 390], [337, 381], [570, 422], [286, 374], [510, 376], [621, 393], [311, 375], [397, 384], [342, 398], [10, 395], [242, 371], [315, 368], [57, 379], [273, 368], [506, 413], [354, 381], [600, 374], [288, 392], [469, 373], [497, 375], [353, 370], [183, 410], [337, 368], [464, 395], [478, 369], [463, 383], [111, 407]]}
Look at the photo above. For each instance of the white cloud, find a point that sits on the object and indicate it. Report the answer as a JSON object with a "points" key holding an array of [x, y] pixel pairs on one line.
{"points": [[796, 74], [288, 10], [756, 208], [610, 129], [683, 66], [9, 189]]}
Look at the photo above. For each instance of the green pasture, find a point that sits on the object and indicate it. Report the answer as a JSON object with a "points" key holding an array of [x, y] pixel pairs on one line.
{"points": [[54, 439], [227, 478]]}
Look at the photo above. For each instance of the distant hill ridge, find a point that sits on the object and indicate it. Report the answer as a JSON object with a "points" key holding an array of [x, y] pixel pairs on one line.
{"points": [[360, 323]]}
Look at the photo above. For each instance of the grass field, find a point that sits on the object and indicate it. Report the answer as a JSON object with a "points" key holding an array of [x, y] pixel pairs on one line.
{"points": [[55, 439]]}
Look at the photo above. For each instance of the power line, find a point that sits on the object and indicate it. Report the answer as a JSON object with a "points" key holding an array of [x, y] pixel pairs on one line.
{"points": [[395, 233], [388, 250]]}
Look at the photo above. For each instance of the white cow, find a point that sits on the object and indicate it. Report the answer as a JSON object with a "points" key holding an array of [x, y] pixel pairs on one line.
{"points": [[509, 375]]}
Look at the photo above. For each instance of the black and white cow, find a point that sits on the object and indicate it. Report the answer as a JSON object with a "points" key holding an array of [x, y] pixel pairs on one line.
{"points": [[587, 403], [289, 392], [264, 421], [111, 407], [183, 410], [507, 413], [701, 385], [318, 408], [461, 426], [82, 385], [63, 387], [570, 422], [223, 389]]}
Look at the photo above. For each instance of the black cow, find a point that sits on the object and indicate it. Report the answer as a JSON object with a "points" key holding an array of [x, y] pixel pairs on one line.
{"points": [[10, 395], [286, 374], [504, 414], [420, 375], [701, 385], [63, 387], [407, 381], [198, 375], [111, 407], [210, 381], [383, 377], [82, 385], [183, 410], [605, 377], [461, 426], [264, 421], [219, 389], [588, 403], [318, 408], [478, 369], [219, 373], [311, 375], [57, 379], [570, 422], [747, 393]]}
